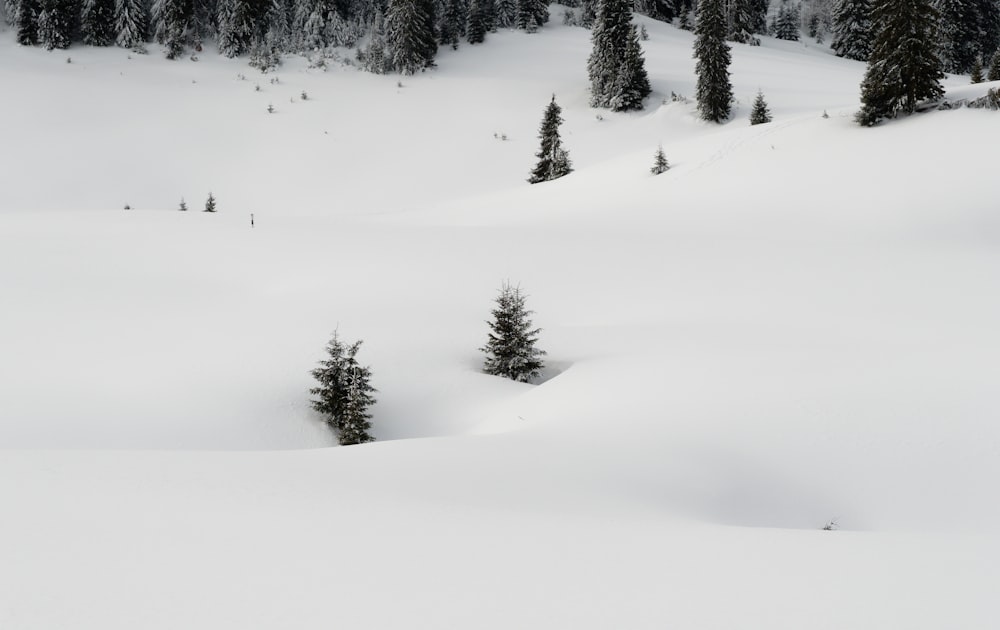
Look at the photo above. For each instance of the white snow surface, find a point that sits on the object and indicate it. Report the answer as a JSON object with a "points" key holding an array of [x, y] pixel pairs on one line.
{"points": [[797, 323]]}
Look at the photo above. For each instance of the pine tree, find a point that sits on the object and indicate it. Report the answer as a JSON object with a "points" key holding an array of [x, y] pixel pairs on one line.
{"points": [[786, 26], [740, 22], [407, 35], [476, 28], [714, 91], [553, 160], [994, 71], [26, 22], [453, 23], [616, 68], [760, 113], [183, 207], [632, 83], [170, 19], [130, 23], [531, 14], [510, 350], [976, 74], [852, 29], [56, 21], [758, 16], [344, 393], [904, 68], [97, 22], [210, 203], [238, 27], [660, 164], [505, 13]]}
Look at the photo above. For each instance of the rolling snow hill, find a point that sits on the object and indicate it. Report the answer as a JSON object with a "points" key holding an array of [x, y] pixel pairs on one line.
{"points": [[793, 325]]}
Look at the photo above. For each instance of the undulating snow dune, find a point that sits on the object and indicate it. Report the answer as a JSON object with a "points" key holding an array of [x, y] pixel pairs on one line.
{"points": [[793, 325]]}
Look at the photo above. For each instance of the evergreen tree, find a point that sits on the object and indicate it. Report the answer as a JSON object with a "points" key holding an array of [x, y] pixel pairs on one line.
{"points": [[505, 13], [758, 16], [532, 14], [760, 113], [510, 350], [26, 22], [203, 22], [660, 164], [632, 84], [852, 29], [453, 21], [56, 22], [904, 67], [169, 19], [740, 22], [994, 71], [786, 25], [976, 74], [183, 207], [239, 26], [714, 91], [97, 22], [344, 393], [407, 35], [130, 23], [210, 203], [476, 28], [616, 68], [553, 160], [957, 31]]}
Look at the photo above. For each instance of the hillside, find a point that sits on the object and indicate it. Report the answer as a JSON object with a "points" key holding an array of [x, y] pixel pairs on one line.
{"points": [[795, 324]]}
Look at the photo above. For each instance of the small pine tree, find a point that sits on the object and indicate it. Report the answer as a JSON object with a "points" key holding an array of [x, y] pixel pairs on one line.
{"points": [[994, 71], [760, 113], [714, 91], [344, 393], [510, 350], [976, 74], [553, 160], [660, 164], [183, 207], [210, 203], [786, 25]]}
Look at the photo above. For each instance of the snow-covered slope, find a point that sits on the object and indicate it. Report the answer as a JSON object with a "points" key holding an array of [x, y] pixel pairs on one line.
{"points": [[796, 323]]}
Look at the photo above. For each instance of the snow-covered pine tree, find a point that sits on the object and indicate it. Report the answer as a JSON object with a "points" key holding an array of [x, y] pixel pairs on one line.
{"points": [[852, 29], [239, 23], [714, 91], [476, 28], [453, 20], [510, 349], [660, 164], [202, 22], [786, 25], [760, 113], [976, 73], [740, 22], [97, 22], [758, 16], [344, 393], [904, 68], [632, 83], [531, 14], [375, 57], [616, 68], [183, 207], [210, 203], [26, 22], [957, 33], [56, 22], [278, 36], [169, 20], [355, 421], [505, 13], [553, 160], [130, 23], [407, 35], [994, 72]]}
